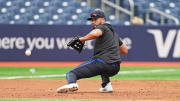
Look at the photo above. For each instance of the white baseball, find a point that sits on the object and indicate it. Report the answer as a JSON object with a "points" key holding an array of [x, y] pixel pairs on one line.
{"points": [[32, 70], [28, 52]]}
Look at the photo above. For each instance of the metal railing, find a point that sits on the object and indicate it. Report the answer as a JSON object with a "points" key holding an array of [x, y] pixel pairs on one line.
{"points": [[118, 8], [162, 17]]}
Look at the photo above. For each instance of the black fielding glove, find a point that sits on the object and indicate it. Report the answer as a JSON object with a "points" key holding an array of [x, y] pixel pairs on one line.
{"points": [[76, 44]]}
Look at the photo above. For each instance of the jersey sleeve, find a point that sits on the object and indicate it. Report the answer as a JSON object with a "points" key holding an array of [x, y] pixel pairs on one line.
{"points": [[101, 27], [120, 42]]}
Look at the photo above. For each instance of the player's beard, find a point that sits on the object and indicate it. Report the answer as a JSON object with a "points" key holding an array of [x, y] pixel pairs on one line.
{"points": [[98, 23]]}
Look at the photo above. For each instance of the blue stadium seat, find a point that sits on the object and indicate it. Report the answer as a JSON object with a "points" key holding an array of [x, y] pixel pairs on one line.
{"points": [[72, 12], [167, 6]]}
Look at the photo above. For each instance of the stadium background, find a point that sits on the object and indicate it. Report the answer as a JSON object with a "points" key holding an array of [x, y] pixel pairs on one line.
{"points": [[149, 28]]}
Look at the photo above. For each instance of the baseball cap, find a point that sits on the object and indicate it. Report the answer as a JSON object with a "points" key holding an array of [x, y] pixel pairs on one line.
{"points": [[97, 13]]}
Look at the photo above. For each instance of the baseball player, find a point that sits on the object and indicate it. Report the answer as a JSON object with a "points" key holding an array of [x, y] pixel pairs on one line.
{"points": [[106, 59]]}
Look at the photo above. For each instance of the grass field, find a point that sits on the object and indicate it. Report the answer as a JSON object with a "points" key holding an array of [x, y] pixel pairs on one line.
{"points": [[51, 73], [126, 73]]}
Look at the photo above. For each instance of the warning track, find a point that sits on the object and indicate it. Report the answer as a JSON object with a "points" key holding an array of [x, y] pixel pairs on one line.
{"points": [[73, 64]]}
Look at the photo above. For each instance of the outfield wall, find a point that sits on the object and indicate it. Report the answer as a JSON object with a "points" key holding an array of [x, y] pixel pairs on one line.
{"points": [[48, 43]]}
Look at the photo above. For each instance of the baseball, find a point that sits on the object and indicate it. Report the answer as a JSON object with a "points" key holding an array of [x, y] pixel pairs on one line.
{"points": [[32, 70], [28, 53]]}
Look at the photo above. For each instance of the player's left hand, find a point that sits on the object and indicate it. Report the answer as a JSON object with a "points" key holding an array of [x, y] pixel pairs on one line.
{"points": [[76, 44]]}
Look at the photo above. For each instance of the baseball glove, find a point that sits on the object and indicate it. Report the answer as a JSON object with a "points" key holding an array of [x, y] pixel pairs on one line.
{"points": [[76, 44]]}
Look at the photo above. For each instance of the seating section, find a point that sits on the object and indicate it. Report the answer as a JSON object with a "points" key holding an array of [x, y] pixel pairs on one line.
{"points": [[71, 12], [170, 7], [43, 12]]}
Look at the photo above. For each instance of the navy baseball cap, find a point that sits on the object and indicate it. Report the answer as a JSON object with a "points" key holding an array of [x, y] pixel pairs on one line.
{"points": [[97, 13]]}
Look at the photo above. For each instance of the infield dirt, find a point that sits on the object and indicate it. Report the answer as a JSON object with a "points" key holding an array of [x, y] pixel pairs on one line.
{"points": [[123, 90], [74, 64]]}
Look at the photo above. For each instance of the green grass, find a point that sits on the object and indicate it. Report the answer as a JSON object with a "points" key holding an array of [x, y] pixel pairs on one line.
{"points": [[13, 71], [129, 73], [148, 74]]}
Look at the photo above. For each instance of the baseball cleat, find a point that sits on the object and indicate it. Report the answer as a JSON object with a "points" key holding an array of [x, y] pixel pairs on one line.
{"points": [[68, 88], [107, 89]]}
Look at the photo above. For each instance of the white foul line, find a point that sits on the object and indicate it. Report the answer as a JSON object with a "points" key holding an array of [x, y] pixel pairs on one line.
{"points": [[147, 71], [63, 75], [40, 76]]}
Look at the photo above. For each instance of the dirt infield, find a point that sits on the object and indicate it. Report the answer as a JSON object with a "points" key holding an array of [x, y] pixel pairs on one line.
{"points": [[123, 90], [74, 64]]}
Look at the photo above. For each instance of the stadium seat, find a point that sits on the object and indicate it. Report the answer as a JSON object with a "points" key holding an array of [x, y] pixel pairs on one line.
{"points": [[71, 12]]}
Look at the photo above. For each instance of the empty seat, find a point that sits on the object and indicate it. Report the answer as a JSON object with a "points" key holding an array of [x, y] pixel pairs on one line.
{"points": [[72, 12]]}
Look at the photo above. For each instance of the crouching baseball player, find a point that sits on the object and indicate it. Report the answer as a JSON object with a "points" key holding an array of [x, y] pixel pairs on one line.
{"points": [[106, 59]]}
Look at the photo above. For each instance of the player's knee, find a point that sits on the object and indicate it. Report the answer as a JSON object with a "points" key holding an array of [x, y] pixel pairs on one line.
{"points": [[71, 75]]}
